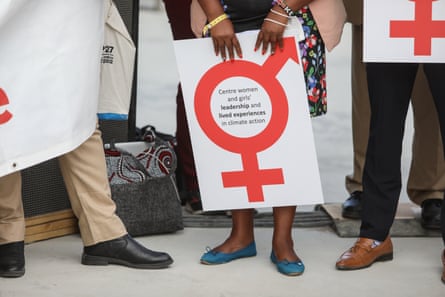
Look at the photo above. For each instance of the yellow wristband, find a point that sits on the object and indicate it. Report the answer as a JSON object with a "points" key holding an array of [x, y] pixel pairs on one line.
{"points": [[213, 23]]}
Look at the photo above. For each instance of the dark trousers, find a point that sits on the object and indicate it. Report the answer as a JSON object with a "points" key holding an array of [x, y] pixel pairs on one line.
{"points": [[390, 86], [178, 13]]}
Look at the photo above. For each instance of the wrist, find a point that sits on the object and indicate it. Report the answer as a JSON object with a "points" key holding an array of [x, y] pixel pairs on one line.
{"points": [[213, 23], [278, 15]]}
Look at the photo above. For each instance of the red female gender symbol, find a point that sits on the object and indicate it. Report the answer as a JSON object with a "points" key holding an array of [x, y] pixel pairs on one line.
{"points": [[6, 115], [252, 177]]}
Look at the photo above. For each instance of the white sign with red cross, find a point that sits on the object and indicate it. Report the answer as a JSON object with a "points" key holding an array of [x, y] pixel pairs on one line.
{"points": [[404, 31], [249, 124]]}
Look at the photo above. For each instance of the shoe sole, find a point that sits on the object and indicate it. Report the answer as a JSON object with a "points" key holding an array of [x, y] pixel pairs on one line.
{"points": [[296, 273], [291, 274], [103, 261], [190, 210], [218, 263], [431, 226], [351, 215], [12, 274], [387, 257]]}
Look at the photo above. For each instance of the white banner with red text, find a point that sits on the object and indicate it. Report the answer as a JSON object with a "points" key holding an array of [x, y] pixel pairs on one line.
{"points": [[404, 31], [49, 78], [250, 127]]}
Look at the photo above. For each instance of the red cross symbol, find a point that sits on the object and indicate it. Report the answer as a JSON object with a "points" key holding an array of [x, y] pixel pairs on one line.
{"points": [[251, 176], [6, 115], [423, 28]]}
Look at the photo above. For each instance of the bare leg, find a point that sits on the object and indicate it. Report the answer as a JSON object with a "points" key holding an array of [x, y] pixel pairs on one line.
{"points": [[282, 242], [242, 231]]}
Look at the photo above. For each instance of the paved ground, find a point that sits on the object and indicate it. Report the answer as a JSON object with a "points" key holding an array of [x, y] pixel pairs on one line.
{"points": [[53, 267]]}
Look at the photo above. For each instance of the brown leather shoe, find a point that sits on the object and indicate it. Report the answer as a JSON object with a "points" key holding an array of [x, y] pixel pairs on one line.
{"points": [[363, 254], [443, 263]]}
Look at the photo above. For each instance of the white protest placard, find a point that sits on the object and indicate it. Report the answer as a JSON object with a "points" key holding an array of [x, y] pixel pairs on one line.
{"points": [[250, 126], [49, 78], [404, 31]]}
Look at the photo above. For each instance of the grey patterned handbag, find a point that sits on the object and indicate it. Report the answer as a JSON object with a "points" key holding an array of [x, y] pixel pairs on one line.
{"points": [[143, 185]]}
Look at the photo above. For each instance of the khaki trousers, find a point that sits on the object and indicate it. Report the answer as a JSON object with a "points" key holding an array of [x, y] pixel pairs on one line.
{"points": [[84, 173], [427, 172]]}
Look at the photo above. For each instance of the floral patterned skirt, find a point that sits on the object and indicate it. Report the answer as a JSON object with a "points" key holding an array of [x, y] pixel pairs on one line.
{"points": [[313, 57]]}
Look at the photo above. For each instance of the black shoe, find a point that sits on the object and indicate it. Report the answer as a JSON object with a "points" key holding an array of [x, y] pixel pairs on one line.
{"points": [[430, 215], [352, 207], [12, 259], [194, 206], [125, 251]]}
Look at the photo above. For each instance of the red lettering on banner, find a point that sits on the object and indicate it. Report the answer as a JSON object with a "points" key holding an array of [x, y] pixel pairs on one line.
{"points": [[6, 115], [251, 177], [423, 28]]}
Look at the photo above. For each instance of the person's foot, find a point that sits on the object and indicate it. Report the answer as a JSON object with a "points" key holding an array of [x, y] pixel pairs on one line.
{"points": [[352, 207], [125, 251], [364, 253], [213, 257], [430, 214], [289, 268], [12, 259], [194, 206]]}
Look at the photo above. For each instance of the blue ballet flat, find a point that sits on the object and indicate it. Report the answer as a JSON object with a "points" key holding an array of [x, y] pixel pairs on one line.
{"points": [[288, 268], [212, 257]]}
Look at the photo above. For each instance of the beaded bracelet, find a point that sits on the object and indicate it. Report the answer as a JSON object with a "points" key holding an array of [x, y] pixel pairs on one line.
{"points": [[213, 23], [283, 5]]}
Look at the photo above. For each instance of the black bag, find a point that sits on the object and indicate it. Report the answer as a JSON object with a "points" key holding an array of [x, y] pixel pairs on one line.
{"points": [[143, 185]]}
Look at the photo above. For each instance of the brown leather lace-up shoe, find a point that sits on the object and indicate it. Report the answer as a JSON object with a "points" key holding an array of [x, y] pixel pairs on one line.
{"points": [[443, 263], [364, 253]]}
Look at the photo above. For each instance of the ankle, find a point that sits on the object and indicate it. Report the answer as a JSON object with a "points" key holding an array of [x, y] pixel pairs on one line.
{"points": [[233, 244], [285, 252]]}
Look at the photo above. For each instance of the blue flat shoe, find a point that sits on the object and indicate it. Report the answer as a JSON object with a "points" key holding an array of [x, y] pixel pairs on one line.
{"points": [[287, 268], [212, 257]]}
